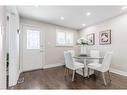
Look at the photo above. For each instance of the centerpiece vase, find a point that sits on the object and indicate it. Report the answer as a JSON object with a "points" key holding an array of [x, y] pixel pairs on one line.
{"points": [[83, 50]]}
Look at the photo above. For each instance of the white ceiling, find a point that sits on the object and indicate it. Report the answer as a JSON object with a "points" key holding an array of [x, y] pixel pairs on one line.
{"points": [[74, 16]]}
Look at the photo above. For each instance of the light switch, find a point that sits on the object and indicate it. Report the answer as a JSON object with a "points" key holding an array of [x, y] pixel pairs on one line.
{"points": [[49, 43]]}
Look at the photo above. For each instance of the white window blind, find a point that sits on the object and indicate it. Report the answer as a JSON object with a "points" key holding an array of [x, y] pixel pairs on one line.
{"points": [[64, 38]]}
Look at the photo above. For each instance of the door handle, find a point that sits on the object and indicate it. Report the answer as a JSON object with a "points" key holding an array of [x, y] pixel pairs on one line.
{"points": [[41, 50], [41, 45]]}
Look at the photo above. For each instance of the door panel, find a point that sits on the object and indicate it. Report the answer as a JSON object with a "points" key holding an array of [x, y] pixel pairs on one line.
{"points": [[33, 48]]}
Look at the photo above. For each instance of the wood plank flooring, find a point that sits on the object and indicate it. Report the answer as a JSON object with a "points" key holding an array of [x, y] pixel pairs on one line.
{"points": [[53, 78]]}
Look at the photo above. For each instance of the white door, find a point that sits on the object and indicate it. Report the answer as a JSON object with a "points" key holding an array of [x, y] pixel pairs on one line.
{"points": [[33, 48]]}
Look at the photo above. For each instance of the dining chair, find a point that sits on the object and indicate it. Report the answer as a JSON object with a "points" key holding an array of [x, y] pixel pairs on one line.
{"points": [[72, 54], [71, 64], [95, 53], [104, 67]]}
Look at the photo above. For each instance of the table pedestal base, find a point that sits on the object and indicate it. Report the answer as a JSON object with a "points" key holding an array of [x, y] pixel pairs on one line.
{"points": [[80, 72]]}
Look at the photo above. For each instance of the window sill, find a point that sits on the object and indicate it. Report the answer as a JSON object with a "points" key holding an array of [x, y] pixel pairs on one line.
{"points": [[64, 45]]}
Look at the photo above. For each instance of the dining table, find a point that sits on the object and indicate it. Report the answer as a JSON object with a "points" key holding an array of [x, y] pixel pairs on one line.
{"points": [[85, 58]]}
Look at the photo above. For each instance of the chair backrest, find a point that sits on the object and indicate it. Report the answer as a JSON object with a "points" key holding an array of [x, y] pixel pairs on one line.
{"points": [[95, 53], [72, 52], [68, 60], [106, 61]]}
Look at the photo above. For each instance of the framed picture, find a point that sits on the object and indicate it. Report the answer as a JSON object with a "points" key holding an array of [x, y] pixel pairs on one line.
{"points": [[105, 37], [91, 39]]}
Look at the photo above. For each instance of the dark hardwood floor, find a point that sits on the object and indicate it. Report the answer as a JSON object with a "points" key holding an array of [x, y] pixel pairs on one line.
{"points": [[53, 78]]}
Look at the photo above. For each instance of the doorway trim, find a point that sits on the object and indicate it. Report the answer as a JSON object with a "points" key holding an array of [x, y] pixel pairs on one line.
{"points": [[21, 45]]}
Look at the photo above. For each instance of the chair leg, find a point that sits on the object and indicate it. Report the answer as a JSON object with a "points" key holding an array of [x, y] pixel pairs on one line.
{"points": [[103, 75], [73, 75], [98, 73], [83, 72], [109, 76], [65, 71], [88, 72]]}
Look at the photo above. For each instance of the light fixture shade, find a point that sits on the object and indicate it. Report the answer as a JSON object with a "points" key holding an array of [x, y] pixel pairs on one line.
{"points": [[83, 25], [123, 8], [88, 14], [62, 18]]}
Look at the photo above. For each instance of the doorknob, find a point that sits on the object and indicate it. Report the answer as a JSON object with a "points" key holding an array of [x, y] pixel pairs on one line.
{"points": [[41, 45], [41, 50]]}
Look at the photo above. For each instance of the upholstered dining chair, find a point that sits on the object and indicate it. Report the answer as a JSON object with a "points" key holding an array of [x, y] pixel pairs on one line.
{"points": [[72, 54], [95, 53], [104, 67], [71, 64]]}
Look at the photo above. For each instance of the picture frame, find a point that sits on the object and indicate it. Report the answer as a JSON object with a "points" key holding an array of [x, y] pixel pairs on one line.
{"points": [[105, 37], [91, 39]]}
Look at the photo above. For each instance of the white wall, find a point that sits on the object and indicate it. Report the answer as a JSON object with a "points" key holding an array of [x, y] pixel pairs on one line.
{"points": [[53, 54], [118, 26], [2, 48], [13, 45]]}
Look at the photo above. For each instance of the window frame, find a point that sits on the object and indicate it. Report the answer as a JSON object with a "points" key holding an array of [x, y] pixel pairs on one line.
{"points": [[27, 46], [66, 32]]}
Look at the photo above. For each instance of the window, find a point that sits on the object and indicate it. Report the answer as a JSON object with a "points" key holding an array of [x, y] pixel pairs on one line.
{"points": [[33, 39], [64, 38]]}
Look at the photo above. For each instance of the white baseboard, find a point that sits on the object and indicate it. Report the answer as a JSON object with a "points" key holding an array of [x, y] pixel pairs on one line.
{"points": [[111, 70], [52, 65], [118, 72]]}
